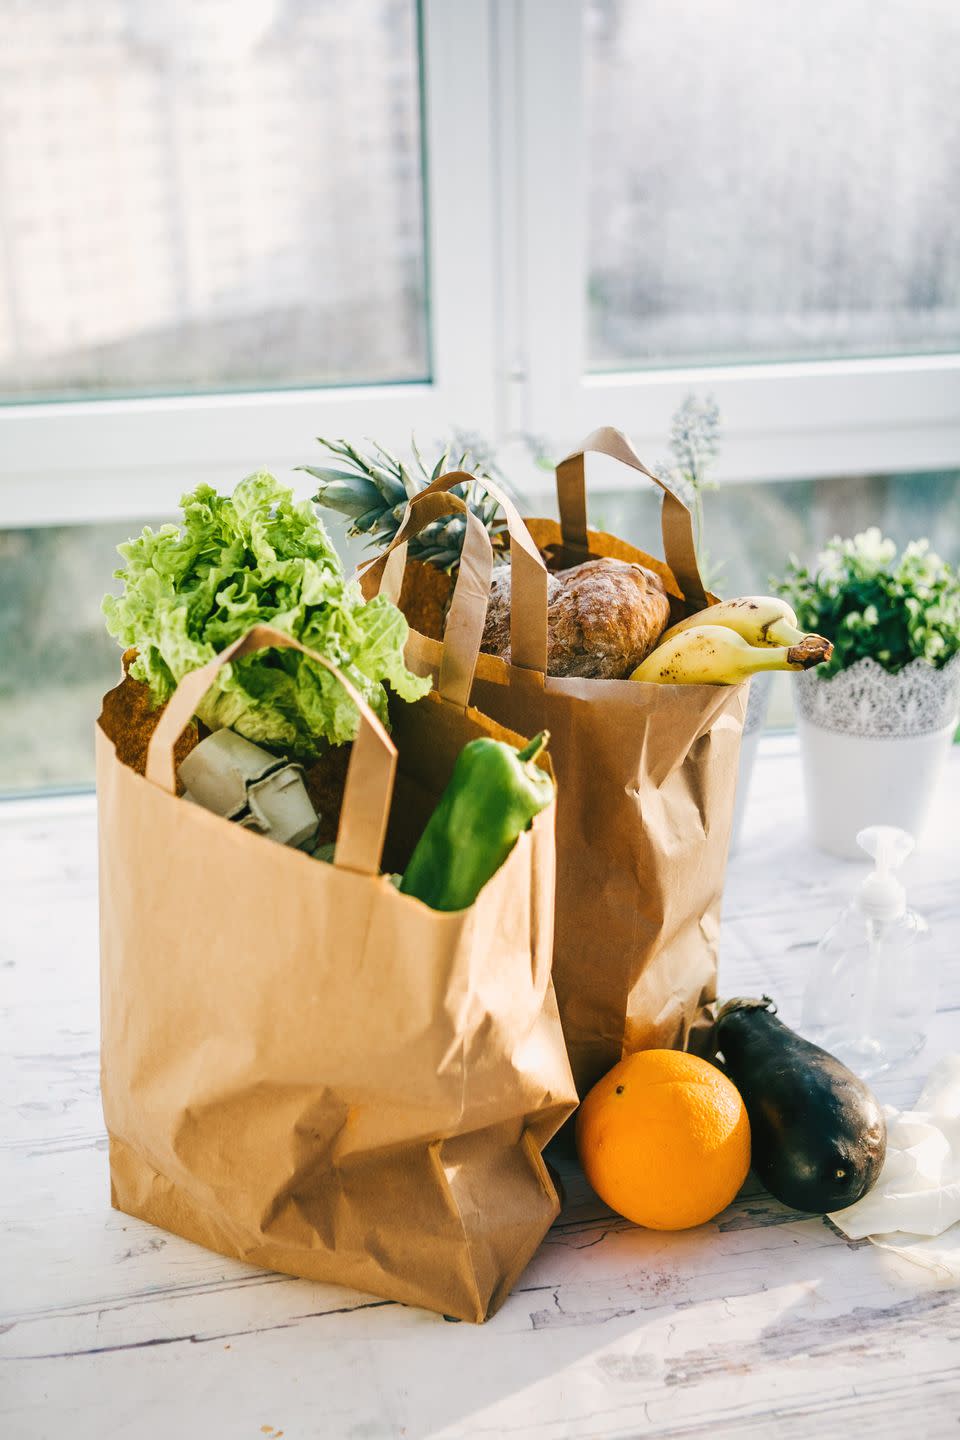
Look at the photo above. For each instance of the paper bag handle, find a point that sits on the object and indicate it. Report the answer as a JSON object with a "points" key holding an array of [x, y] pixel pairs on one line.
{"points": [[370, 773], [679, 549], [468, 607], [528, 603]]}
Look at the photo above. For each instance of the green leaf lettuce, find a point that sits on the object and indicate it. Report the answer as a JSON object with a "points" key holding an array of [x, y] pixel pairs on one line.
{"points": [[254, 557]]}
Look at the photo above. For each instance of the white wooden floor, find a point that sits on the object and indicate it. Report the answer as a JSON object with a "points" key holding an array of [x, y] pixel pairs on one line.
{"points": [[759, 1324]]}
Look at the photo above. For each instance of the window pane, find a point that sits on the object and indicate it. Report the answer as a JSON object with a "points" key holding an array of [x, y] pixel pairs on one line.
{"points": [[56, 659], [206, 194], [772, 180]]}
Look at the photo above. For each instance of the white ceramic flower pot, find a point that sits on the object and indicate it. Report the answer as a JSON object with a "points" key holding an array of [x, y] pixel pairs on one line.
{"points": [[873, 747], [753, 723]]}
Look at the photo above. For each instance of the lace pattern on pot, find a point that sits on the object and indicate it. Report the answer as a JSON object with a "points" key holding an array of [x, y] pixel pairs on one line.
{"points": [[867, 701]]}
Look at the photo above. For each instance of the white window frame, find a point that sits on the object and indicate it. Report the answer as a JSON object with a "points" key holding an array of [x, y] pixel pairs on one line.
{"points": [[506, 167], [115, 459], [780, 421]]}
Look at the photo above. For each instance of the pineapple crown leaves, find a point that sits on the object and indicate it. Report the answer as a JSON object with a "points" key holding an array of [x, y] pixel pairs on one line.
{"points": [[371, 489]]}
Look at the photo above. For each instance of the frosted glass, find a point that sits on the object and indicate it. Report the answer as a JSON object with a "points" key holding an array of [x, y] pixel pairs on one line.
{"points": [[772, 181], [206, 194]]}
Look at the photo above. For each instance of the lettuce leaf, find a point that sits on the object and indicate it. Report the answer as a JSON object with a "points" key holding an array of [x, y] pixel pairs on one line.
{"points": [[189, 590]]}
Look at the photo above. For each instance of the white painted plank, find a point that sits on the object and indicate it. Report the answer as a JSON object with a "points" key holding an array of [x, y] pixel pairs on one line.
{"points": [[762, 1323]]}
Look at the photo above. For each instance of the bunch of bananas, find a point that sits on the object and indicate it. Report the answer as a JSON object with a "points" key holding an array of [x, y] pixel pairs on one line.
{"points": [[731, 640]]}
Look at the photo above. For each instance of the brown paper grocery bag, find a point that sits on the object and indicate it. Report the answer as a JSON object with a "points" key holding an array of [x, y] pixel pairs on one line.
{"points": [[646, 777], [304, 1068]]}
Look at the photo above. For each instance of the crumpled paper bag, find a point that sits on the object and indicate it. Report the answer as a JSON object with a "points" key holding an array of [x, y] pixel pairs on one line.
{"points": [[914, 1208], [647, 777], [302, 1067]]}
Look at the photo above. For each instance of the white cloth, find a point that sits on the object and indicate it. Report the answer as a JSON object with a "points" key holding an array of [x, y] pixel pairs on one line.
{"points": [[914, 1208]]}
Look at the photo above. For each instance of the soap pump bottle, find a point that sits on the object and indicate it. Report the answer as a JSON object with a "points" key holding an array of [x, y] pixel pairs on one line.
{"points": [[871, 993]]}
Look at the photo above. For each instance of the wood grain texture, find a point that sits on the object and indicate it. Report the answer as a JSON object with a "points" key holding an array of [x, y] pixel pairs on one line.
{"points": [[763, 1323]]}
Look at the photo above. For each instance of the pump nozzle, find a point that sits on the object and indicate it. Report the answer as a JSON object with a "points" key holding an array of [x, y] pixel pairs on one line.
{"points": [[882, 896]]}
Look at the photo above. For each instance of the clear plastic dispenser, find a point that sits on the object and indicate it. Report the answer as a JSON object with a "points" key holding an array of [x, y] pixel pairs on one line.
{"points": [[872, 990]]}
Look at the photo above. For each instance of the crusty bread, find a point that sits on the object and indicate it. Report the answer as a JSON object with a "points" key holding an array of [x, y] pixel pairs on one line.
{"points": [[603, 617]]}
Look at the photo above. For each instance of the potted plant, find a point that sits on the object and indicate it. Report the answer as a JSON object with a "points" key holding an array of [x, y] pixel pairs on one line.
{"points": [[876, 722]]}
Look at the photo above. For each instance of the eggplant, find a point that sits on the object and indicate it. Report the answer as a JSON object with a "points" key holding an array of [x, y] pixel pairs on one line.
{"points": [[817, 1132]]}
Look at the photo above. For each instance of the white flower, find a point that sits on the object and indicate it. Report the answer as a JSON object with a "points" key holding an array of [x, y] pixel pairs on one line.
{"points": [[831, 564], [872, 549]]}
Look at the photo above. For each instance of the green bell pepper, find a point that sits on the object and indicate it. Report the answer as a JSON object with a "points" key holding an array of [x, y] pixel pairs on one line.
{"points": [[492, 797]]}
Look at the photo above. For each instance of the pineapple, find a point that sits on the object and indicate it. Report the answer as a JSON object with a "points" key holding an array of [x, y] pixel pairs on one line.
{"points": [[372, 489]]}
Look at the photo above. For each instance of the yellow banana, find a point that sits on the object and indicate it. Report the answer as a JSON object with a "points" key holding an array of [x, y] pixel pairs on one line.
{"points": [[716, 655], [760, 619]]}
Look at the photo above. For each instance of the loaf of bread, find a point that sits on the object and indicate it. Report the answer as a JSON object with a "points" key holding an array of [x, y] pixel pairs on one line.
{"points": [[603, 618]]}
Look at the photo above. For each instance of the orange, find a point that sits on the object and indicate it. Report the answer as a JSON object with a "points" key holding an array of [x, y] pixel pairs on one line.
{"points": [[664, 1139]]}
